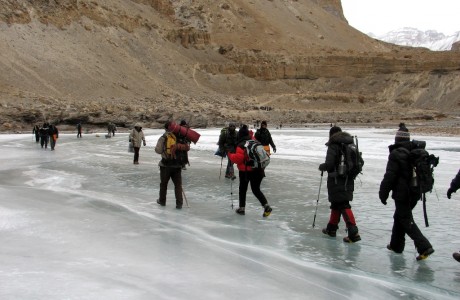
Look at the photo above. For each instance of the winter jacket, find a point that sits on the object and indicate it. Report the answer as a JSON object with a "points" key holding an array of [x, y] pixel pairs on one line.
{"points": [[53, 131], [398, 173], [455, 184], [227, 140], [264, 137], [240, 157], [137, 137], [340, 188]]}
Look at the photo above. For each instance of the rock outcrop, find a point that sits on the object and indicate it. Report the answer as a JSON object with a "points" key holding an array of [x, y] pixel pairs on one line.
{"points": [[124, 61]]}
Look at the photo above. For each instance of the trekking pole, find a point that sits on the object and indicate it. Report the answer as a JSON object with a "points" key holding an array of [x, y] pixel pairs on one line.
{"points": [[185, 197], [231, 192], [221, 160], [425, 216], [317, 200]]}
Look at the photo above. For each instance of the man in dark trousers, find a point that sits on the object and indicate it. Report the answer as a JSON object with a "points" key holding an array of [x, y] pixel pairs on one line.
{"points": [[170, 166], [454, 186], [339, 188], [397, 179], [265, 138]]}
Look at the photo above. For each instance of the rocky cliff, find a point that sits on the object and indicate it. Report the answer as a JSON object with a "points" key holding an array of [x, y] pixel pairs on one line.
{"points": [[209, 61]]}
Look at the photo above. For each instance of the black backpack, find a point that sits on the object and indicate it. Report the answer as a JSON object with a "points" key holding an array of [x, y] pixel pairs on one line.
{"points": [[351, 160], [422, 164]]}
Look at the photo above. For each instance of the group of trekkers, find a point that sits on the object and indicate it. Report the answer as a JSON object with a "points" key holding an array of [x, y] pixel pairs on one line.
{"points": [[397, 180], [46, 134], [233, 144]]}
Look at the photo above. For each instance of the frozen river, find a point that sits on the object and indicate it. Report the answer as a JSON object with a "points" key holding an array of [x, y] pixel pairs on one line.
{"points": [[82, 222]]}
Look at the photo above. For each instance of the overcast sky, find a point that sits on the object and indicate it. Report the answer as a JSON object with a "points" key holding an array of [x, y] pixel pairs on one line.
{"points": [[381, 16]]}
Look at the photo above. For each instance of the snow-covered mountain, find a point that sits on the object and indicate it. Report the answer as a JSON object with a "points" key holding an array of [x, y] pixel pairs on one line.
{"points": [[413, 37]]}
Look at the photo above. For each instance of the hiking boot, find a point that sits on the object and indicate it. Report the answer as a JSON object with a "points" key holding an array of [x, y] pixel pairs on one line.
{"points": [[267, 211], [352, 239], [331, 233], [178, 206], [240, 211], [158, 201], [456, 256], [391, 249], [425, 254]]}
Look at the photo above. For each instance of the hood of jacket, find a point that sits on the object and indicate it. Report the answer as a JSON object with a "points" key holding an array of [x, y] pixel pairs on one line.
{"points": [[404, 144], [340, 138]]}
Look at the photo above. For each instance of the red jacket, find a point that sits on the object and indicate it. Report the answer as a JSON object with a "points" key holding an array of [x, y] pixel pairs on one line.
{"points": [[240, 159]]}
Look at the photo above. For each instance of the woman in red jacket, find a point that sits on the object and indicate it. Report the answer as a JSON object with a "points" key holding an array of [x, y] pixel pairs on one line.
{"points": [[248, 174]]}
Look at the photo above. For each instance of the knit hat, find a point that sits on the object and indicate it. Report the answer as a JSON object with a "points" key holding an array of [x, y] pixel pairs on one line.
{"points": [[334, 130], [183, 123], [402, 134], [263, 123], [244, 131]]}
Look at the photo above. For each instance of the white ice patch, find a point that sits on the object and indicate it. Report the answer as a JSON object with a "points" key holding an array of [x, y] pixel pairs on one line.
{"points": [[53, 180]]}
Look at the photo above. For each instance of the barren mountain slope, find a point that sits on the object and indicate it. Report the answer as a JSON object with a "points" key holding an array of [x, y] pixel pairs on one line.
{"points": [[209, 61]]}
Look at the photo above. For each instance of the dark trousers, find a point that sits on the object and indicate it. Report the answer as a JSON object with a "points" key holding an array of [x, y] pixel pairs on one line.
{"points": [[404, 224], [79, 134], [37, 137], [52, 142], [44, 140], [255, 178], [136, 154], [175, 174]]}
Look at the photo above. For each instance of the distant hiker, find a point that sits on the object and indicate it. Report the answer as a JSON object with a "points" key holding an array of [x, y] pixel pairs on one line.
{"points": [[454, 185], [264, 137], [340, 187], [248, 174], [44, 135], [79, 130], [170, 165], [111, 128], [397, 179], [137, 138], [227, 143], [36, 131], [54, 135]]}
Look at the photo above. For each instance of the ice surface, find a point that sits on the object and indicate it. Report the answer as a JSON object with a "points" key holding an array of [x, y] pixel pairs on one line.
{"points": [[82, 222]]}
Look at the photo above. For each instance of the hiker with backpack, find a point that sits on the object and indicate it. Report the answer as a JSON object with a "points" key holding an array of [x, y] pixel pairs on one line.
{"points": [[227, 143], [136, 137], [397, 179], [172, 154], [250, 171], [340, 184], [54, 135], [264, 137]]}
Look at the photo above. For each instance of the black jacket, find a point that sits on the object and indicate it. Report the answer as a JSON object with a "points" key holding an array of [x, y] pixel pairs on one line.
{"points": [[455, 184], [398, 173], [340, 189], [264, 136]]}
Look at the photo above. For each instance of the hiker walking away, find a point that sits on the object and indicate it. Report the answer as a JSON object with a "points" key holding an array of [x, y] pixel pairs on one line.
{"points": [[79, 130], [227, 143], [44, 135], [340, 187], [54, 135], [248, 175], [397, 179], [170, 165], [36, 131], [137, 138], [111, 128], [454, 186], [264, 137]]}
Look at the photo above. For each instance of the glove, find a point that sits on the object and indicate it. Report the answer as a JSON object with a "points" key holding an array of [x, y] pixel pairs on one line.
{"points": [[449, 193], [274, 149], [322, 167], [145, 144], [384, 201]]}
